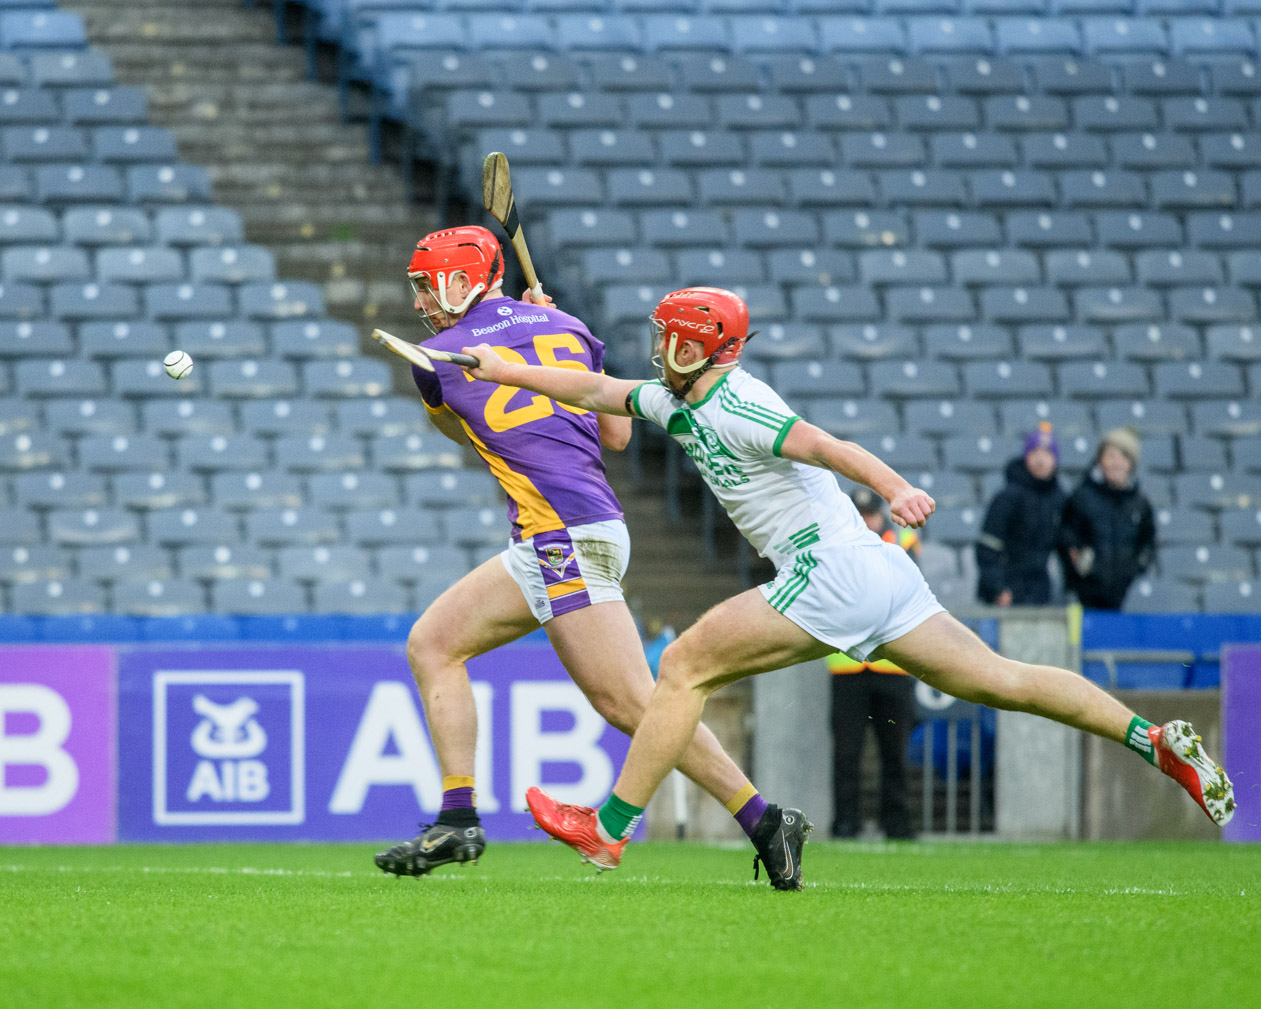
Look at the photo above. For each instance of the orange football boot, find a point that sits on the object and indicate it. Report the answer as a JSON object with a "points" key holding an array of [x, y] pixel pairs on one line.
{"points": [[1182, 757], [576, 827]]}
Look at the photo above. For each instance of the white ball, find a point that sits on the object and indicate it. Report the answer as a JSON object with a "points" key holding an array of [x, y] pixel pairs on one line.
{"points": [[178, 364]]}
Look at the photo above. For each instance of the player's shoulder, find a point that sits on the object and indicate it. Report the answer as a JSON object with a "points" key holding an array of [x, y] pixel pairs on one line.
{"points": [[742, 388]]}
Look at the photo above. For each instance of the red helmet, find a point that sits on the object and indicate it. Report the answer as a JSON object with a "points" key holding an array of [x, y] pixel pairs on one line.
{"points": [[439, 256], [718, 320]]}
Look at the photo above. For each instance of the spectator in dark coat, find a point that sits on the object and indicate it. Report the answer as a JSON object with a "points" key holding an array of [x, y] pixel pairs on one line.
{"points": [[1108, 533], [1021, 527]]}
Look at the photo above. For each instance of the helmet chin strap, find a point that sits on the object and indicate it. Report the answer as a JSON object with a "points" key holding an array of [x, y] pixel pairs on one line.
{"points": [[462, 306], [693, 371]]}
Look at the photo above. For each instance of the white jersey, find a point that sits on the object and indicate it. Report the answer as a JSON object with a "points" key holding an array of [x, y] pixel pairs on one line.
{"points": [[735, 435]]}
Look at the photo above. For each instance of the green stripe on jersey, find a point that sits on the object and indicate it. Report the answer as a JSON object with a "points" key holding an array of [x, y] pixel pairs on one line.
{"points": [[754, 418], [777, 449], [751, 411], [805, 537]]}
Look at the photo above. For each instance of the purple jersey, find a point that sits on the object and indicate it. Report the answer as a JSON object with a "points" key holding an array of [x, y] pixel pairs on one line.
{"points": [[546, 455]]}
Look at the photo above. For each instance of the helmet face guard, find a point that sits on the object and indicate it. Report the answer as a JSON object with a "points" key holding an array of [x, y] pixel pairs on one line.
{"points": [[446, 314]]}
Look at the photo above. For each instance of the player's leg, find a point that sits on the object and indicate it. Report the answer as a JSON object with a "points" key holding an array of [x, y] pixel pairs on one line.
{"points": [[946, 655], [480, 612], [483, 610], [738, 638], [575, 577], [600, 647]]}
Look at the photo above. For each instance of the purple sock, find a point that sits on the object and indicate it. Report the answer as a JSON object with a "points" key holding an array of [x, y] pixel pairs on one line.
{"points": [[458, 798], [750, 814]]}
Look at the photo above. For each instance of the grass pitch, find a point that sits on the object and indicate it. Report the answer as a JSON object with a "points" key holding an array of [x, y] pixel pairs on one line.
{"points": [[679, 925]]}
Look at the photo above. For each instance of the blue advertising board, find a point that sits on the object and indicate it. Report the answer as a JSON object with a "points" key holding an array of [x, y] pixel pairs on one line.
{"points": [[330, 743]]}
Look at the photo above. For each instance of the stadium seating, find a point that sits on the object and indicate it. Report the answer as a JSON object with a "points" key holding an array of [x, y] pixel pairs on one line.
{"points": [[950, 220], [1026, 212], [250, 488]]}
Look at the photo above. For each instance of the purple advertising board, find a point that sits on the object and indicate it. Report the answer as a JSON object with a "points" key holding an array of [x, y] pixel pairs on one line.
{"points": [[1241, 726], [330, 743], [57, 745]]}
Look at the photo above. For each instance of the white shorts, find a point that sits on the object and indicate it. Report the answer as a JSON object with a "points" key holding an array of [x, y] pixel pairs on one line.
{"points": [[854, 597], [568, 569]]}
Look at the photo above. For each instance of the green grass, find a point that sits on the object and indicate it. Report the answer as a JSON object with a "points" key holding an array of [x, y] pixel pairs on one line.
{"points": [[940, 925]]}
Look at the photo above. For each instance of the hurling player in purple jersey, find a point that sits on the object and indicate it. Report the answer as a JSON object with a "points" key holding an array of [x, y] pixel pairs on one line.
{"points": [[568, 551]]}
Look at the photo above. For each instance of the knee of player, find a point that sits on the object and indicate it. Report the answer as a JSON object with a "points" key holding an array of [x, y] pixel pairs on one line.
{"points": [[424, 650], [680, 668], [623, 713]]}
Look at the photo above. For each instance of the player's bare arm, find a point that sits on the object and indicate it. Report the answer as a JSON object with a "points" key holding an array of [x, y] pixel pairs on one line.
{"points": [[584, 389], [615, 432], [908, 506], [448, 424]]}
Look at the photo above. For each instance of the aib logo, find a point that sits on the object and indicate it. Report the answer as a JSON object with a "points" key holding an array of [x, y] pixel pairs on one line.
{"points": [[227, 736], [228, 747]]}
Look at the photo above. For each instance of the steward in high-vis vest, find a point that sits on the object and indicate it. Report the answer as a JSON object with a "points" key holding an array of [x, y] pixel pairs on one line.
{"points": [[875, 693]]}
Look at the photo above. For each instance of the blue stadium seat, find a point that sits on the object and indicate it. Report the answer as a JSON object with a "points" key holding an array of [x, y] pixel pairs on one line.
{"points": [[1119, 229], [574, 109], [320, 453], [85, 68], [201, 417], [44, 144], [861, 35], [1036, 35], [672, 32], [721, 186], [1152, 150], [211, 453], [967, 342], [107, 226], [1166, 342], [1074, 269], [873, 342], [132, 144], [49, 29], [58, 489], [179, 302], [156, 489], [105, 105], [90, 417], [716, 268], [167, 184], [1061, 343], [1234, 343], [139, 265]]}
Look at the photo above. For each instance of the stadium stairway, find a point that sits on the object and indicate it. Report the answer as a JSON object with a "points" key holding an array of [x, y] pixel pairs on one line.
{"points": [[274, 145], [278, 152]]}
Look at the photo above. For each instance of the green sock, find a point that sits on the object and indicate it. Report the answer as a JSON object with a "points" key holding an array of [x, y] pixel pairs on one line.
{"points": [[618, 819], [1137, 739]]}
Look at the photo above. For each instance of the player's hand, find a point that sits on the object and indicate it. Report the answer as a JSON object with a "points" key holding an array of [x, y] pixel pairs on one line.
{"points": [[911, 507], [528, 297], [490, 365]]}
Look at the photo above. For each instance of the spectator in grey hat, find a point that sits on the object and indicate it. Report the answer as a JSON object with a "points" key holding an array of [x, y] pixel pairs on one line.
{"points": [[1108, 533]]}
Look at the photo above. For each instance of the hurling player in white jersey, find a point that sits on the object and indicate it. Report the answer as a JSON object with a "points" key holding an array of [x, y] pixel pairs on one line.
{"points": [[838, 585]]}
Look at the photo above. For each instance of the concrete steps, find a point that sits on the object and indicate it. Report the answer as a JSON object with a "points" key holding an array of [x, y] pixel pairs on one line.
{"points": [[277, 151]]}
